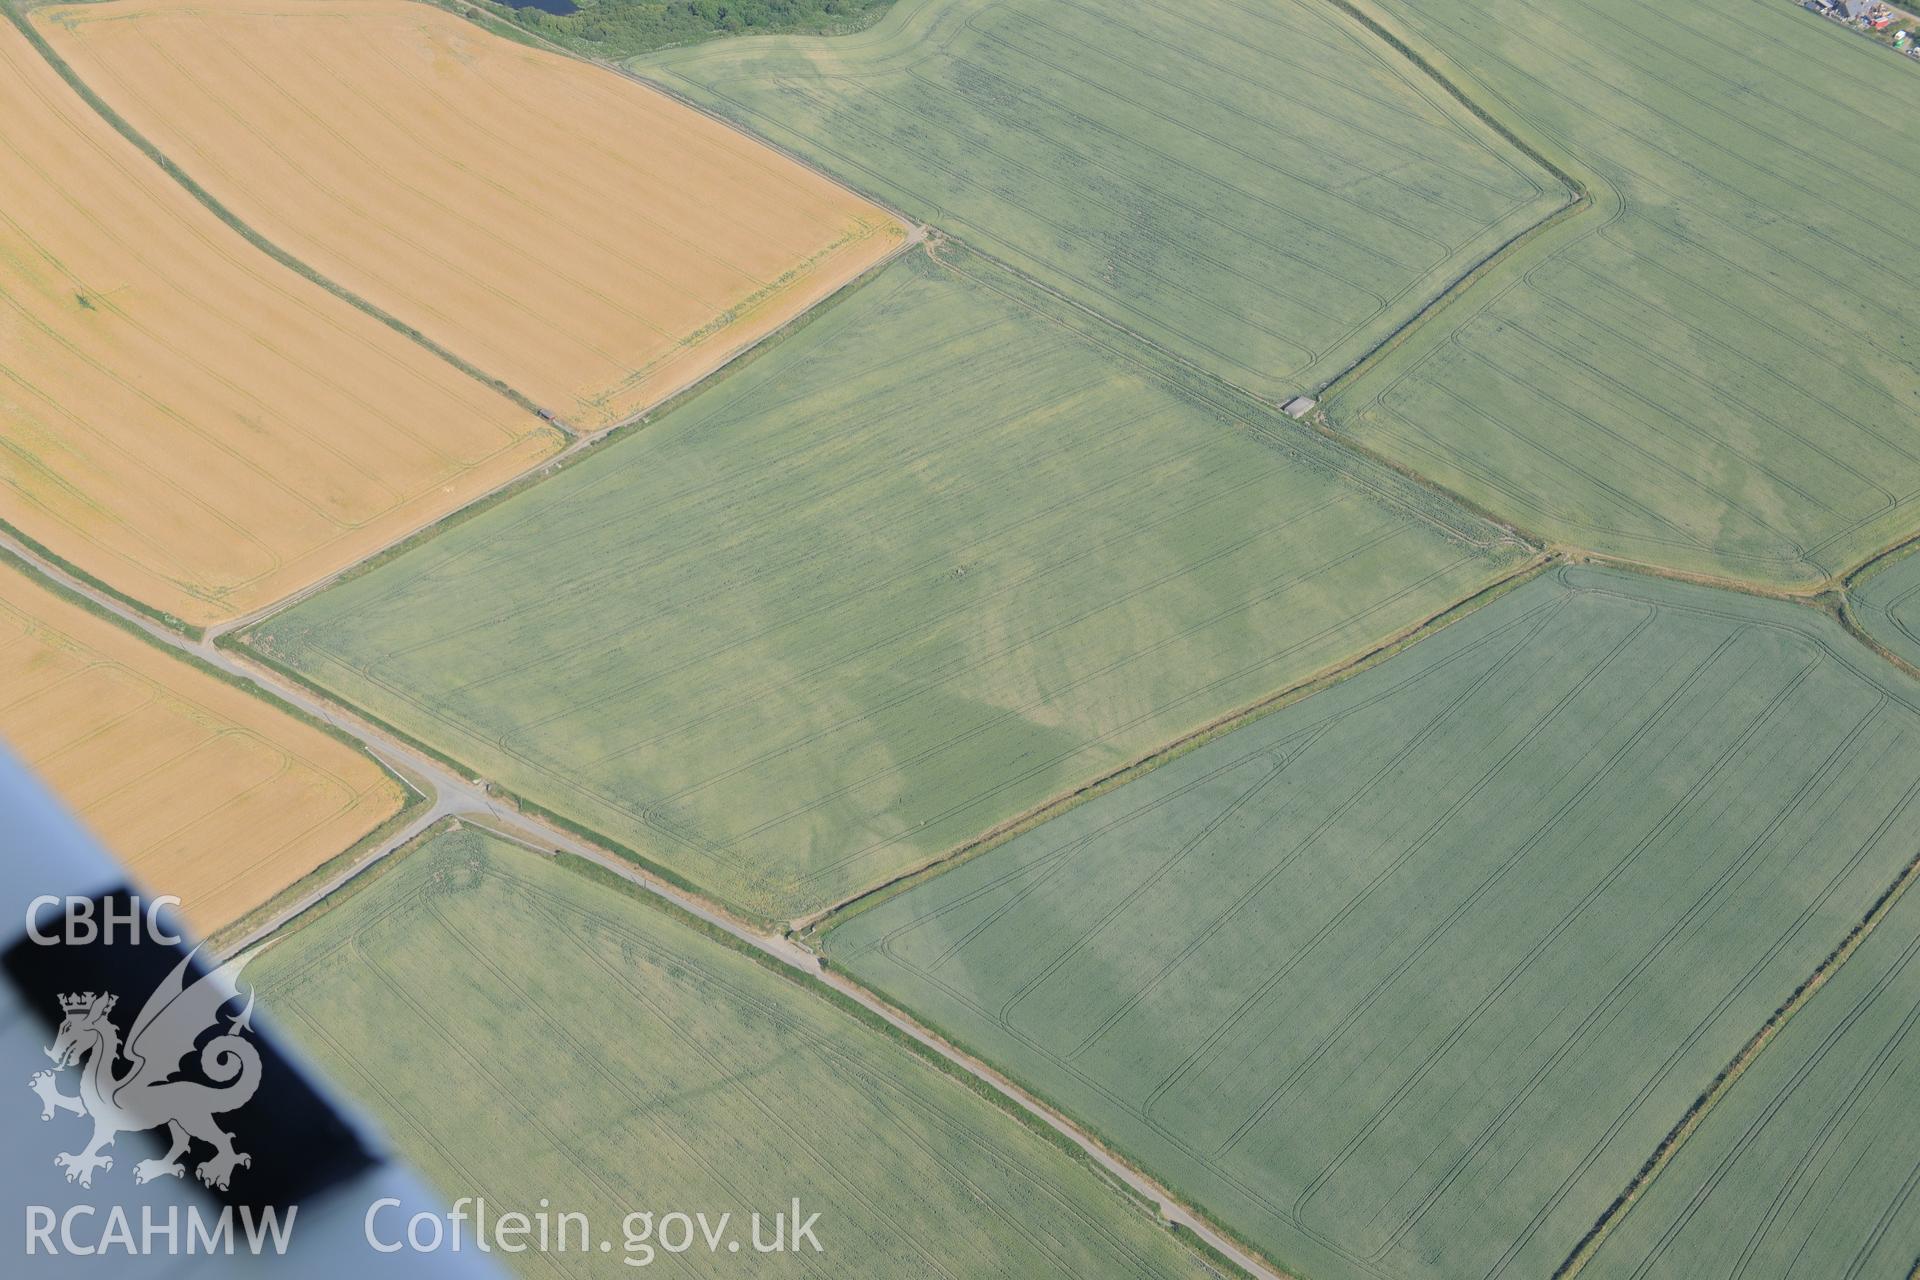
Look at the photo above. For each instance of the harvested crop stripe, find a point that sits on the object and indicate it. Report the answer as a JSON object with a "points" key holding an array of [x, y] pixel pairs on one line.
{"points": [[204, 791], [591, 241], [184, 419]]}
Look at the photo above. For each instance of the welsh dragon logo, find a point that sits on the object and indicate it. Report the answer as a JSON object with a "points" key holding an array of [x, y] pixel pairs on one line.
{"points": [[146, 1093]]}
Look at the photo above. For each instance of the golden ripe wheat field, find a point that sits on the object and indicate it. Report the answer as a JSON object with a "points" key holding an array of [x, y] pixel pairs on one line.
{"points": [[202, 789], [183, 418], [589, 240]]}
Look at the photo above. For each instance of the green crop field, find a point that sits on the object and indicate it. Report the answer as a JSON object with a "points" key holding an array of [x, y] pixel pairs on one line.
{"points": [[1265, 189], [1407, 979], [529, 1035], [1713, 365], [1809, 1167], [1888, 604], [611, 28], [949, 550]]}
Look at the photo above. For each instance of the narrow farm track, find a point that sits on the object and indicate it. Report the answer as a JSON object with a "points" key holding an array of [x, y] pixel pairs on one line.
{"points": [[452, 796]]}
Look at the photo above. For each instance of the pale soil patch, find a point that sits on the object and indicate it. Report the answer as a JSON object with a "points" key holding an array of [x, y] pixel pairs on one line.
{"points": [[182, 418], [201, 789], [591, 241]]}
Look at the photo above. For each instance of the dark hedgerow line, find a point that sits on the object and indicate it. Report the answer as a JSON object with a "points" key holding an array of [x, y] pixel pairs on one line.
{"points": [[1710, 1096], [15, 12], [1459, 95], [223, 937], [253, 653], [1578, 198], [240, 637]]}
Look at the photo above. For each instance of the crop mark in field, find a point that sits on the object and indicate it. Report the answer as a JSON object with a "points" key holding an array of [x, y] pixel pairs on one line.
{"points": [[1712, 336], [864, 657], [1106, 154], [623, 966], [1338, 1015]]}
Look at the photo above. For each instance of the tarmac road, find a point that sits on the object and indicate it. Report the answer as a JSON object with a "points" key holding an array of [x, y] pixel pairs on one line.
{"points": [[453, 796]]}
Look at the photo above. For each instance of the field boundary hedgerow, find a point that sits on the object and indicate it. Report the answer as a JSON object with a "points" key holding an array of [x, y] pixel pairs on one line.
{"points": [[814, 985], [978, 221], [558, 258], [160, 617], [1830, 596], [619, 65], [1433, 67], [1000, 1095], [919, 308], [796, 971], [1852, 584], [1317, 423], [819, 923], [179, 652], [1579, 199], [1881, 560], [1222, 396], [1696, 1114], [193, 427], [227, 633], [982, 897], [351, 888], [1499, 126], [1627, 327], [569, 438], [341, 867], [17, 14], [760, 922]]}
